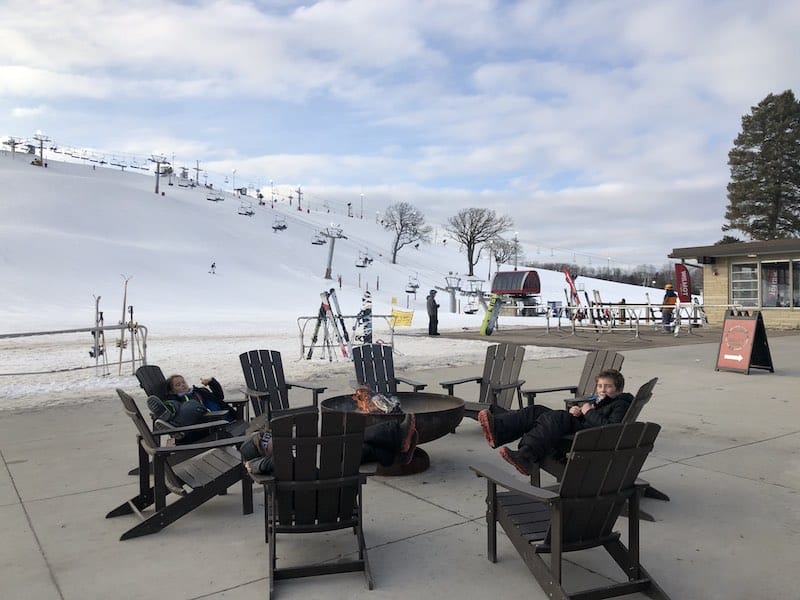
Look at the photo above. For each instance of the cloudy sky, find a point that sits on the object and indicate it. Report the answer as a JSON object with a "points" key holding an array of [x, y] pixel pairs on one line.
{"points": [[601, 128]]}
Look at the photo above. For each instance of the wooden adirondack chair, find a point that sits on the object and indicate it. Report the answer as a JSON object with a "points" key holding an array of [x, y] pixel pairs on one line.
{"points": [[600, 478], [152, 381], [555, 465], [499, 381], [315, 487], [374, 365], [195, 480], [265, 384], [596, 361]]}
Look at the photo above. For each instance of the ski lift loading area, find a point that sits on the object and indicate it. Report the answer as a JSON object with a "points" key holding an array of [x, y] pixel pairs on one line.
{"points": [[521, 290]]}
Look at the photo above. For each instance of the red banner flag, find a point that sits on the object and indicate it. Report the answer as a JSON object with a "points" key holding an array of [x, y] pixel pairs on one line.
{"points": [[572, 291], [684, 283]]}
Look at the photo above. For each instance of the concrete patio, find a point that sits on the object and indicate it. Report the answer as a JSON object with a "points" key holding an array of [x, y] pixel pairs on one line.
{"points": [[728, 455]]}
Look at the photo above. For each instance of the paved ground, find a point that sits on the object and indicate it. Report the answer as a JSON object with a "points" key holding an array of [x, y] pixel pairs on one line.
{"points": [[616, 340], [727, 455]]}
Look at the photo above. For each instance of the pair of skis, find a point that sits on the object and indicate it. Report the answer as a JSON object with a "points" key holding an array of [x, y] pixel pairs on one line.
{"points": [[326, 317]]}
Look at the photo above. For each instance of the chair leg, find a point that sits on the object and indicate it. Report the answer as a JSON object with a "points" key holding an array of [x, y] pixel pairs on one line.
{"points": [[491, 521], [651, 492]]}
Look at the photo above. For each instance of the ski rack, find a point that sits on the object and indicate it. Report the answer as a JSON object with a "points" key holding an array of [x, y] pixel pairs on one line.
{"points": [[138, 340], [606, 317], [325, 344]]}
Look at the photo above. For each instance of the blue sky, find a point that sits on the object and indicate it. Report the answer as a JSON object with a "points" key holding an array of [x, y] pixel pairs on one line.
{"points": [[600, 127]]}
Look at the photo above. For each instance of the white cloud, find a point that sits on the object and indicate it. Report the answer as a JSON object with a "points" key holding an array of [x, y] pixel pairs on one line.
{"points": [[618, 108]]}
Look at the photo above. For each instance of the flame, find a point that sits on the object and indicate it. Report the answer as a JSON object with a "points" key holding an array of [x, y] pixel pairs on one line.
{"points": [[363, 400]]}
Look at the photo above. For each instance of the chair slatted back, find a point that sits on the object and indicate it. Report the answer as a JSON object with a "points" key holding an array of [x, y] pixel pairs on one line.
{"points": [[642, 397], [596, 362], [148, 440], [374, 365], [328, 461], [263, 372], [502, 366], [602, 466], [152, 381]]}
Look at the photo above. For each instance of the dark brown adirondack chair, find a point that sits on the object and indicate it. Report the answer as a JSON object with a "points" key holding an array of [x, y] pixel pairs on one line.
{"points": [[556, 464], [315, 486], [374, 365], [600, 478], [596, 361], [266, 386], [499, 382], [195, 480], [152, 381]]}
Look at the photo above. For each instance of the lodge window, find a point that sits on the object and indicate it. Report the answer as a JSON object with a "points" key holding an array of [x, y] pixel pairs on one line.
{"points": [[744, 284], [796, 283], [774, 284]]}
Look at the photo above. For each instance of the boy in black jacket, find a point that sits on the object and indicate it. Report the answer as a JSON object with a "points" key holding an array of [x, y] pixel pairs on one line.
{"points": [[539, 428]]}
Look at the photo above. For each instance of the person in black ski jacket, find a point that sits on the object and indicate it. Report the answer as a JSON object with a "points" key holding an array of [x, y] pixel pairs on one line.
{"points": [[540, 428], [188, 405], [433, 313]]}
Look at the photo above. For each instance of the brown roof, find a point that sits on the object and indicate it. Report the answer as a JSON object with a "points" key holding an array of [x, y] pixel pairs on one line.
{"points": [[782, 246]]}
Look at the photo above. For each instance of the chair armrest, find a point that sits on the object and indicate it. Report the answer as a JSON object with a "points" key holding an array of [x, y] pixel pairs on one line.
{"points": [[316, 390], [508, 386], [262, 479], [173, 430], [531, 394], [449, 385], [251, 392], [417, 385], [371, 468], [503, 479], [210, 445], [306, 386], [215, 415]]}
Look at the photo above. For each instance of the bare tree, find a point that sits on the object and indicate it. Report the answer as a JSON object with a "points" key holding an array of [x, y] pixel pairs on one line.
{"points": [[474, 227], [408, 225], [505, 251]]}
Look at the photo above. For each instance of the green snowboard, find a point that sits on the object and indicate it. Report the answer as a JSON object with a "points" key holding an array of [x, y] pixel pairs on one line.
{"points": [[492, 312]]}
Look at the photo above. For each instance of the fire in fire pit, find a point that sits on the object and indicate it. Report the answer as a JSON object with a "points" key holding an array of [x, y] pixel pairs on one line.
{"points": [[370, 403]]}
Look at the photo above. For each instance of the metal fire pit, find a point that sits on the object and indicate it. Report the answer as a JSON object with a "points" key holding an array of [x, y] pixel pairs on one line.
{"points": [[436, 416]]}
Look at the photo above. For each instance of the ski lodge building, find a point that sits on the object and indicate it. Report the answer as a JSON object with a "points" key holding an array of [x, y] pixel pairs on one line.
{"points": [[761, 276]]}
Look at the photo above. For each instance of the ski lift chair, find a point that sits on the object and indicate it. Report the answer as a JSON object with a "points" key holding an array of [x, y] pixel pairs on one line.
{"points": [[266, 386]]}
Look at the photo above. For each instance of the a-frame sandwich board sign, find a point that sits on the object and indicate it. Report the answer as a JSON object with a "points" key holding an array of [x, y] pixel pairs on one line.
{"points": [[744, 344]]}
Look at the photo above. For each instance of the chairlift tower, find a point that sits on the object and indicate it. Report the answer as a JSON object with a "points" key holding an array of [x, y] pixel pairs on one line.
{"points": [[13, 142], [334, 233], [41, 138], [159, 159], [453, 286]]}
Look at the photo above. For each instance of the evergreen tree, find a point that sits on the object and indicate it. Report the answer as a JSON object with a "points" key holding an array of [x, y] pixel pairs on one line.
{"points": [[764, 190]]}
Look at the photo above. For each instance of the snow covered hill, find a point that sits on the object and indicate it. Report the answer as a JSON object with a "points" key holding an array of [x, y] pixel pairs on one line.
{"points": [[71, 232]]}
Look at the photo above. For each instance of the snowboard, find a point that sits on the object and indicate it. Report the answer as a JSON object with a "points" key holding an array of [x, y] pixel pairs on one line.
{"points": [[491, 316], [364, 318]]}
